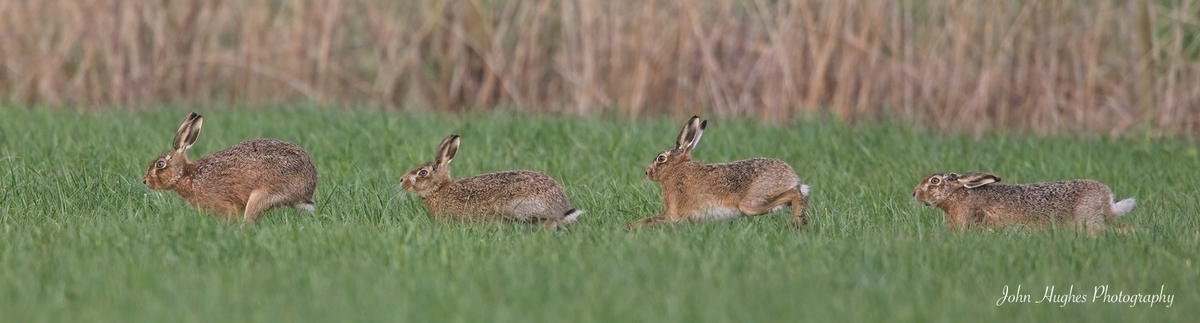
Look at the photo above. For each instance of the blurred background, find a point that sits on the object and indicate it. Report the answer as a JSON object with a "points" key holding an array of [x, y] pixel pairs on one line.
{"points": [[1102, 66]]}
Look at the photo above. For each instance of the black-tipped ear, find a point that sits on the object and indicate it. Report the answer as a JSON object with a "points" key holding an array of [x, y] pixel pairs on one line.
{"points": [[950, 177], [188, 131], [699, 131], [446, 151], [690, 135], [977, 179], [684, 133]]}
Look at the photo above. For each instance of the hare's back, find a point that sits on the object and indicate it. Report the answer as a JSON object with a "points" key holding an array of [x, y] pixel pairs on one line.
{"points": [[1043, 191], [1048, 199], [261, 159], [759, 165], [506, 185], [515, 194], [756, 170]]}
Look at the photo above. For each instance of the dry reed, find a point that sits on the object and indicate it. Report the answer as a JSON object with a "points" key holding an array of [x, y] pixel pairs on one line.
{"points": [[1097, 66]]}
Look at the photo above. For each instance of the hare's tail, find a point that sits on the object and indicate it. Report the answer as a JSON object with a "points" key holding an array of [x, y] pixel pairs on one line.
{"points": [[306, 206], [570, 217], [1122, 207]]}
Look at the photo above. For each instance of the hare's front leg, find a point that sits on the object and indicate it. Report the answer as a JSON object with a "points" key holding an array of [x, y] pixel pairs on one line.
{"points": [[958, 218], [650, 220]]}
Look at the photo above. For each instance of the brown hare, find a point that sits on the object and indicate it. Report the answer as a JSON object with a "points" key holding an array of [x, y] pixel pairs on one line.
{"points": [[244, 180], [972, 198], [517, 195], [694, 191]]}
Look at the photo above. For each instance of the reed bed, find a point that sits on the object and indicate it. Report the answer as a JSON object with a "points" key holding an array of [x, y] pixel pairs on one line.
{"points": [[1104, 66]]}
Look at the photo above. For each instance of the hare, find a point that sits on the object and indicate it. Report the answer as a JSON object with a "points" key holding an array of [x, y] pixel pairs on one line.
{"points": [[519, 195], [971, 198], [248, 178], [694, 191]]}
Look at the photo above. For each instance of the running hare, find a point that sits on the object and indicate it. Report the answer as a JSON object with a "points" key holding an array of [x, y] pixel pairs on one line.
{"points": [[520, 195], [971, 198], [695, 191], [245, 179]]}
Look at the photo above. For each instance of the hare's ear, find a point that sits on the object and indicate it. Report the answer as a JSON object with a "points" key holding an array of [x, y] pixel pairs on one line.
{"points": [[188, 131], [446, 151], [977, 179], [950, 177], [690, 135]]}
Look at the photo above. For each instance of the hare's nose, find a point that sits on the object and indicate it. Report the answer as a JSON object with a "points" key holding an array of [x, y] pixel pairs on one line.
{"points": [[143, 182]]}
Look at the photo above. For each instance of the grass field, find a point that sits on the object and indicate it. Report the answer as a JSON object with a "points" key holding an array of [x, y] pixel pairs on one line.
{"points": [[81, 239]]}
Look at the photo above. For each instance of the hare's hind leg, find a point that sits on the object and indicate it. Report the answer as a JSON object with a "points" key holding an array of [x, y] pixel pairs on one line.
{"points": [[796, 197], [260, 201], [650, 220], [1092, 215], [800, 207]]}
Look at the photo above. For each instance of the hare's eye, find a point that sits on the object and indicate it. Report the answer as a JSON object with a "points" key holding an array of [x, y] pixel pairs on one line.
{"points": [[662, 158], [160, 164], [934, 180], [422, 173]]}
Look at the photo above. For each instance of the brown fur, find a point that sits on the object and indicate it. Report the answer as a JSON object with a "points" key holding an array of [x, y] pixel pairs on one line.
{"points": [[695, 191], [972, 199], [245, 179], [520, 195]]}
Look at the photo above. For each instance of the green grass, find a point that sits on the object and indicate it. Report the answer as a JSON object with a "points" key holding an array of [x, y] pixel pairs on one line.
{"points": [[81, 239]]}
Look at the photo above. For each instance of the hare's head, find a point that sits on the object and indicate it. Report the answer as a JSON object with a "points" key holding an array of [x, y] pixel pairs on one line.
{"points": [[934, 189], [429, 177], [667, 160], [169, 167]]}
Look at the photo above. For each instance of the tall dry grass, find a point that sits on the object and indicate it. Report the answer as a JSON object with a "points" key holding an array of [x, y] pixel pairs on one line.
{"points": [[1101, 66]]}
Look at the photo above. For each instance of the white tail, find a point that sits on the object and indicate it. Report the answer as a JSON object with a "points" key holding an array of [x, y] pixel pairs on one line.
{"points": [[306, 207], [1122, 207], [572, 215]]}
